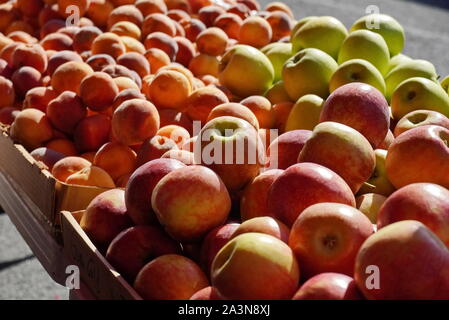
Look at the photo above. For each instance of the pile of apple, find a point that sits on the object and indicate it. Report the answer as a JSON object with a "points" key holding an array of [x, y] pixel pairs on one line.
{"points": [[350, 201]]}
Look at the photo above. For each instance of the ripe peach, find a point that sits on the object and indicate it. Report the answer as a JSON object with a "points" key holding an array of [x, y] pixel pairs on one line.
{"points": [[174, 117], [170, 277], [57, 41], [193, 28], [116, 159], [200, 103], [100, 61], [21, 36], [178, 4], [7, 51], [7, 15], [136, 62], [125, 13], [126, 28], [186, 51], [68, 166], [212, 41], [66, 111], [65, 10], [29, 8], [51, 26], [92, 132], [279, 6], [122, 181], [154, 148], [229, 23], [71, 30], [157, 22], [124, 83], [48, 13], [61, 57], [170, 89], [63, 146], [108, 43], [204, 64], [174, 132], [208, 14], [105, 217], [20, 26], [164, 42], [68, 76], [32, 128], [234, 110], [148, 7], [183, 156], [99, 11], [261, 107], [281, 24], [178, 15], [134, 121], [255, 31], [8, 95], [91, 176], [133, 45], [46, 156], [240, 9], [157, 59], [30, 55], [84, 37], [8, 115], [25, 79], [98, 90], [116, 71], [209, 80]]}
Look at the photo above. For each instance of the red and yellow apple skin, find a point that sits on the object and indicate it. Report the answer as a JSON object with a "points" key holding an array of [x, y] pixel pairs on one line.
{"points": [[191, 201], [404, 260], [327, 236], [302, 185]]}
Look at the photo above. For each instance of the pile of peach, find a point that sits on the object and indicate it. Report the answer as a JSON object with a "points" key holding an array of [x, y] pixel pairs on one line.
{"points": [[170, 104]]}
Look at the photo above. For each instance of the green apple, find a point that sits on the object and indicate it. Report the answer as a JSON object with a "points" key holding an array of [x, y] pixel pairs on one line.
{"points": [[407, 70], [367, 45], [419, 94], [308, 72], [387, 27], [278, 53], [246, 71], [305, 113], [398, 60], [378, 182], [324, 33], [357, 70], [369, 204], [445, 84], [300, 24], [277, 93]]}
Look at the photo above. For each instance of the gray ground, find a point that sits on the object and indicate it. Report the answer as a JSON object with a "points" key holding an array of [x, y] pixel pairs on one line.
{"points": [[425, 22]]}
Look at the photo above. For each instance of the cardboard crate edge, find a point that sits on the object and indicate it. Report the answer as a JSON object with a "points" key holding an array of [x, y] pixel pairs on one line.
{"points": [[95, 271]]}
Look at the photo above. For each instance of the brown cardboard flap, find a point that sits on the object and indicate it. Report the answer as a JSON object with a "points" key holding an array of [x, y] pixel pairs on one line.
{"points": [[103, 281]]}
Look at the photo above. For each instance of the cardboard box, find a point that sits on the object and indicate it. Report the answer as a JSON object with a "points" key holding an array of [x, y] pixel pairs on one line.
{"points": [[96, 273], [49, 195]]}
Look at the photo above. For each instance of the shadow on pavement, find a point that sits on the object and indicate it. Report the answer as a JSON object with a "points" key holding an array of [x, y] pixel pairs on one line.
{"points": [[444, 4], [11, 263]]}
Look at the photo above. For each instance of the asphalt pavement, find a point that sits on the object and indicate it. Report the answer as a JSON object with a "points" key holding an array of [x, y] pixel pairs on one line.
{"points": [[427, 33]]}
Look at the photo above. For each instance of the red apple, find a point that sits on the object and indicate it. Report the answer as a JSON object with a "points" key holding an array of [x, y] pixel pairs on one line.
{"points": [[136, 246], [191, 201], [341, 149], [170, 277], [404, 260], [284, 150], [424, 202], [329, 286], [302, 185], [255, 266], [419, 155], [213, 242], [253, 202], [327, 236], [140, 188], [359, 106], [420, 118], [266, 225], [208, 293], [232, 148]]}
